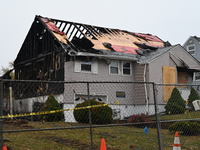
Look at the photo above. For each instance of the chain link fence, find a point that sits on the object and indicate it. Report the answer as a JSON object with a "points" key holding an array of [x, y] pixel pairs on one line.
{"points": [[77, 115]]}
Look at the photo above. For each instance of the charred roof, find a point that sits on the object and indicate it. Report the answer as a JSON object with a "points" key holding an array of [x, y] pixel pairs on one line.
{"points": [[83, 37]]}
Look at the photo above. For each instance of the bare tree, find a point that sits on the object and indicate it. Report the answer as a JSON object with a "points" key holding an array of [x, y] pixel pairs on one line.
{"points": [[8, 69]]}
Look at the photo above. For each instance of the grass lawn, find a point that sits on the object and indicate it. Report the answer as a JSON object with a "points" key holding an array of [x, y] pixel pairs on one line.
{"points": [[116, 137]]}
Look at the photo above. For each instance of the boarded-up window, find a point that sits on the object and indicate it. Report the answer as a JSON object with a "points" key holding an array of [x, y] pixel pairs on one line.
{"points": [[169, 77]]}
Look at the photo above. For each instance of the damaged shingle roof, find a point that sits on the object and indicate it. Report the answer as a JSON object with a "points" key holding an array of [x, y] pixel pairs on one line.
{"points": [[90, 38]]}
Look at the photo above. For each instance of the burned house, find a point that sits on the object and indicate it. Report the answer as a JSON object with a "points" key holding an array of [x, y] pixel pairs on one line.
{"points": [[57, 50]]}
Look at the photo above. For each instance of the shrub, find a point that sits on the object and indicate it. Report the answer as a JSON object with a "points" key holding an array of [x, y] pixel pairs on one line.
{"points": [[193, 96], [99, 115], [175, 104], [185, 127], [36, 108], [139, 118], [51, 104]]}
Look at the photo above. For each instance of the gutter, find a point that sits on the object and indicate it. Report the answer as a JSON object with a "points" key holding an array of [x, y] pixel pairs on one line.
{"points": [[145, 89], [107, 56]]}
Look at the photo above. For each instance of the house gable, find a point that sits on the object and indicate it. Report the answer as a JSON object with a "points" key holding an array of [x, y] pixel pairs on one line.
{"points": [[192, 45], [41, 55]]}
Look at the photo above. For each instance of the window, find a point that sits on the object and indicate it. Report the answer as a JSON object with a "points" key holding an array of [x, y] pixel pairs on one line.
{"points": [[86, 66], [79, 98], [191, 49], [126, 68], [114, 67], [196, 76]]}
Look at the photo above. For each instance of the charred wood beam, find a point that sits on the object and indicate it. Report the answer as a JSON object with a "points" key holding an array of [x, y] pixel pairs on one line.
{"points": [[90, 31], [71, 32], [68, 29], [64, 27]]}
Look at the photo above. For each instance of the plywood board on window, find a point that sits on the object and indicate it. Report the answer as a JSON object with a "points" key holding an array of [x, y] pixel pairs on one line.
{"points": [[169, 77]]}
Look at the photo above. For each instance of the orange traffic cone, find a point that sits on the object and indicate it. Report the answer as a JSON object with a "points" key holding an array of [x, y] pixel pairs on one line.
{"points": [[103, 144], [177, 145], [4, 148]]}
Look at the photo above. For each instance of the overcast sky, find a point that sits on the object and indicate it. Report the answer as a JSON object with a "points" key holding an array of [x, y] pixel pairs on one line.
{"points": [[171, 20]]}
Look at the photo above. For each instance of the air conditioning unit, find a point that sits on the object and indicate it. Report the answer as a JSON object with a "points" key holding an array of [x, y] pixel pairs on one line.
{"points": [[116, 113], [196, 104]]}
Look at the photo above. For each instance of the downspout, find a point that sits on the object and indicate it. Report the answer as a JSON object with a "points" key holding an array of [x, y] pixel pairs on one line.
{"points": [[145, 89]]}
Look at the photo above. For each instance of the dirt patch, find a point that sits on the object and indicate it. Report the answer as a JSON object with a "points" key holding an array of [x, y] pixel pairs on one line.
{"points": [[70, 143]]}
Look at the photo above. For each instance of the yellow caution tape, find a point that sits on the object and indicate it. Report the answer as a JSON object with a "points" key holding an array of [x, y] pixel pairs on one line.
{"points": [[50, 112]]}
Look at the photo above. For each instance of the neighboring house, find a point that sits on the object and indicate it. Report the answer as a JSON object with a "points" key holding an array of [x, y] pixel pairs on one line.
{"points": [[56, 50], [192, 45]]}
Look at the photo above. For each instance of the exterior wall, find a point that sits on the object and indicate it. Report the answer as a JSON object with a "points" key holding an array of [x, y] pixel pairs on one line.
{"points": [[26, 105], [124, 111], [155, 75], [184, 55], [155, 67], [105, 89], [102, 75]]}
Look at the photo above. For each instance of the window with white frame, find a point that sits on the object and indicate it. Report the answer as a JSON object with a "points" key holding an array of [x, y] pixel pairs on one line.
{"points": [[196, 76], [126, 68], [86, 66], [191, 49], [114, 67]]}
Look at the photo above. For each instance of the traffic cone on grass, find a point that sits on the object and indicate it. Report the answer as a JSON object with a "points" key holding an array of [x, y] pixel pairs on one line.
{"points": [[103, 144], [177, 145], [4, 148]]}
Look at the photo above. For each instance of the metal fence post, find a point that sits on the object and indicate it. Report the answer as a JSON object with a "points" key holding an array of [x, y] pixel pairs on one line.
{"points": [[90, 119], [157, 119], [1, 114]]}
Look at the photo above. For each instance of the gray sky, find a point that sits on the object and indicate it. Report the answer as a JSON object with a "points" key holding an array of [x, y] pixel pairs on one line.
{"points": [[170, 20]]}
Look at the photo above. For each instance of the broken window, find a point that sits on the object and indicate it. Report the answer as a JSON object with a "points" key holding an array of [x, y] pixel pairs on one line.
{"points": [[114, 67], [126, 68]]}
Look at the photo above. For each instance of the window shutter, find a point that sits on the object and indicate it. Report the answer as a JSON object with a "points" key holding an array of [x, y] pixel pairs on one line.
{"points": [[77, 66], [95, 67]]}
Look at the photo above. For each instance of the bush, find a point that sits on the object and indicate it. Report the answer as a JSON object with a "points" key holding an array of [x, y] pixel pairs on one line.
{"points": [[51, 104], [185, 127], [193, 96], [175, 104], [99, 115], [36, 108], [139, 118]]}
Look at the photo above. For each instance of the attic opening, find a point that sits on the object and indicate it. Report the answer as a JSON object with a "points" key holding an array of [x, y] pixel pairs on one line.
{"points": [[82, 42], [40, 33]]}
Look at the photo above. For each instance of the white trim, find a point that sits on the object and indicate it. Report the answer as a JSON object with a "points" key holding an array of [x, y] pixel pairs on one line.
{"points": [[193, 50], [194, 76]]}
